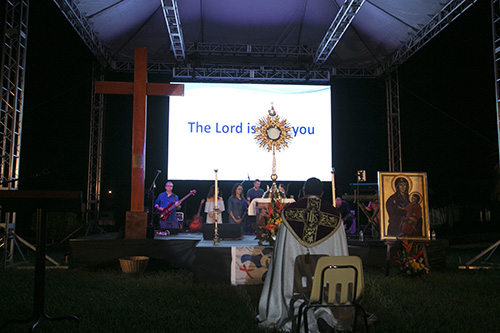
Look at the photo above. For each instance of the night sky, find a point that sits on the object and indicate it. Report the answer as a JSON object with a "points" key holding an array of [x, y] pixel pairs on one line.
{"points": [[448, 117]]}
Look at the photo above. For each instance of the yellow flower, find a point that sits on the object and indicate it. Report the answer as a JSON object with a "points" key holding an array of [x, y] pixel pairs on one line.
{"points": [[272, 221], [270, 227]]}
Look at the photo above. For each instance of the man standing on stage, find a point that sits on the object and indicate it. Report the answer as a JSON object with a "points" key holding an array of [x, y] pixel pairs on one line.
{"points": [[253, 193], [168, 199]]}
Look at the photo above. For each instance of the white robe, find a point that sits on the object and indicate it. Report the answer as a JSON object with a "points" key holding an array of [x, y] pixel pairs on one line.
{"points": [[277, 292]]}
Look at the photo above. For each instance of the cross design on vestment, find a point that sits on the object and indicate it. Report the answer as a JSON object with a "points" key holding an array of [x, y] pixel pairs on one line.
{"points": [[312, 217], [136, 219]]}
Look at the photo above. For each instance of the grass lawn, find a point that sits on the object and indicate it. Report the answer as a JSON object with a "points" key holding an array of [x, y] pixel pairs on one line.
{"points": [[447, 300]]}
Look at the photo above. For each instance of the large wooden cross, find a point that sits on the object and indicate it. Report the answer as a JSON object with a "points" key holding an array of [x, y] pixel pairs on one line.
{"points": [[136, 218]]}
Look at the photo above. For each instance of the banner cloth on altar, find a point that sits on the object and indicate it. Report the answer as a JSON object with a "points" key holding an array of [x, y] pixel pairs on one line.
{"points": [[249, 264]]}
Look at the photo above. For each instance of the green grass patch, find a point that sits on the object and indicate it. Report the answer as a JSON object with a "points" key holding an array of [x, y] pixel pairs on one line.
{"points": [[447, 300]]}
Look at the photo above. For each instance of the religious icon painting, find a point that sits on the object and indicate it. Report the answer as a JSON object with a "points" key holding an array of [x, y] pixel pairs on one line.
{"points": [[404, 211]]}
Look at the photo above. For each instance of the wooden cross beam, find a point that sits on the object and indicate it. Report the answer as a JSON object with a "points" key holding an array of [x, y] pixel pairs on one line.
{"points": [[136, 218]]}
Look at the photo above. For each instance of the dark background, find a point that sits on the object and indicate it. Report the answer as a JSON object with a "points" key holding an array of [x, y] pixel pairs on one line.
{"points": [[448, 119]]}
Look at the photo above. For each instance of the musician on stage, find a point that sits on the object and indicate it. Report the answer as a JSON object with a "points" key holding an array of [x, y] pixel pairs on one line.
{"points": [[373, 207], [166, 199], [237, 206], [345, 211], [212, 216], [253, 193]]}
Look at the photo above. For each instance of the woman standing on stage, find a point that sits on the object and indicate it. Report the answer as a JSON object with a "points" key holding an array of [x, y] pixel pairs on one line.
{"points": [[210, 205], [237, 206]]}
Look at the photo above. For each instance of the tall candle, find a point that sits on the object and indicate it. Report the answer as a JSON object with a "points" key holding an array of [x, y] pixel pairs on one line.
{"points": [[216, 195], [333, 188]]}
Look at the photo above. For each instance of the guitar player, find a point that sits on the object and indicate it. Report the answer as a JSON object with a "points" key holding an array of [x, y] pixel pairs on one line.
{"points": [[168, 199], [345, 212]]}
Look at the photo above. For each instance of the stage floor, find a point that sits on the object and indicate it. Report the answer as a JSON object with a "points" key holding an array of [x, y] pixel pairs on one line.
{"points": [[246, 240], [230, 261]]}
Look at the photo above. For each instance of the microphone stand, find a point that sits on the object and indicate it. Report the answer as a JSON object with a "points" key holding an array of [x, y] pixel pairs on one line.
{"points": [[152, 195]]}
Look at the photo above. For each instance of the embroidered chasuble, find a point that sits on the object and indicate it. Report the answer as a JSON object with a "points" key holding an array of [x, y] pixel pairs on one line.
{"points": [[311, 221]]}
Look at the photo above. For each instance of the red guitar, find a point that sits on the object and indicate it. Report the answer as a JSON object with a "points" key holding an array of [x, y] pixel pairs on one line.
{"points": [[197, 219], [169, 210]]}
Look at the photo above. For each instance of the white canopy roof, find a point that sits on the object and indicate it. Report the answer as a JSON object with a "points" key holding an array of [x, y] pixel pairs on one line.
{"points": [[207, 33]]}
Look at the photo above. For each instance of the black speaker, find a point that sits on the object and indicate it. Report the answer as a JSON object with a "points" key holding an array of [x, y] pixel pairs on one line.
{"points": [[150, 232], [171, 226], [225, 231]]}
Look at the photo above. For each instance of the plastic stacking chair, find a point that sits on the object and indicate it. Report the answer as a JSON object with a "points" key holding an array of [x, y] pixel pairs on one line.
{"points": [[338, 285], [303, 274], [304, 268]]}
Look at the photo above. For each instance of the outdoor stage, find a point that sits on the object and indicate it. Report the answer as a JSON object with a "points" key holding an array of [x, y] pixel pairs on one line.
{"points": [[240, 261], [220, 262]]}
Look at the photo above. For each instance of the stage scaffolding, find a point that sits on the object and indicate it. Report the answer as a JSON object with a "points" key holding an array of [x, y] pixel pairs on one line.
{"points": [[12, 73], [495, 18], [13, 67], [205, 72], [12, 76], [93, 202], [393, 122]]}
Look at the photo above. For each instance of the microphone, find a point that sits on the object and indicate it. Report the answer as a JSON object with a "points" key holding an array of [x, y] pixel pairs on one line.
{"points": [[248, 177], [159, 171]]}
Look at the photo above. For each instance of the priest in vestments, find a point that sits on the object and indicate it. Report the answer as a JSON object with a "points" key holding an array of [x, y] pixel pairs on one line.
{"points": [[310, 226]]}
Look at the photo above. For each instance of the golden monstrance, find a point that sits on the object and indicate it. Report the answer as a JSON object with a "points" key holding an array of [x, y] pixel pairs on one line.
{"points": [[273, 133]]}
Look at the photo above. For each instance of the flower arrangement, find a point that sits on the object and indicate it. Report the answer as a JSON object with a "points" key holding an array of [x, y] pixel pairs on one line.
{"points": [[267, 230], [410, 263]]}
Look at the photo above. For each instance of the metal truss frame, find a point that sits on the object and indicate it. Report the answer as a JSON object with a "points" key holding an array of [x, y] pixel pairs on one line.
{"points": [[72, 13], [207, 71], [12, 78], [495, 25], [339, 25], [242, 73], [305, 70], [260, 50], [485, 264], [448, 13], [93, 203], [250, 73], [495, 18], [393, 122], [173, 22]]}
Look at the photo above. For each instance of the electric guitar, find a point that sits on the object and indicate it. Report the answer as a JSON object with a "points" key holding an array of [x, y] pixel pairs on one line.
{"points": [[197, 219], [169, 209]]}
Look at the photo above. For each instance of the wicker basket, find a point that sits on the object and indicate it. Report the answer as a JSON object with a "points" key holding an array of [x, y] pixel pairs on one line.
{"points": [[134, 264]]}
